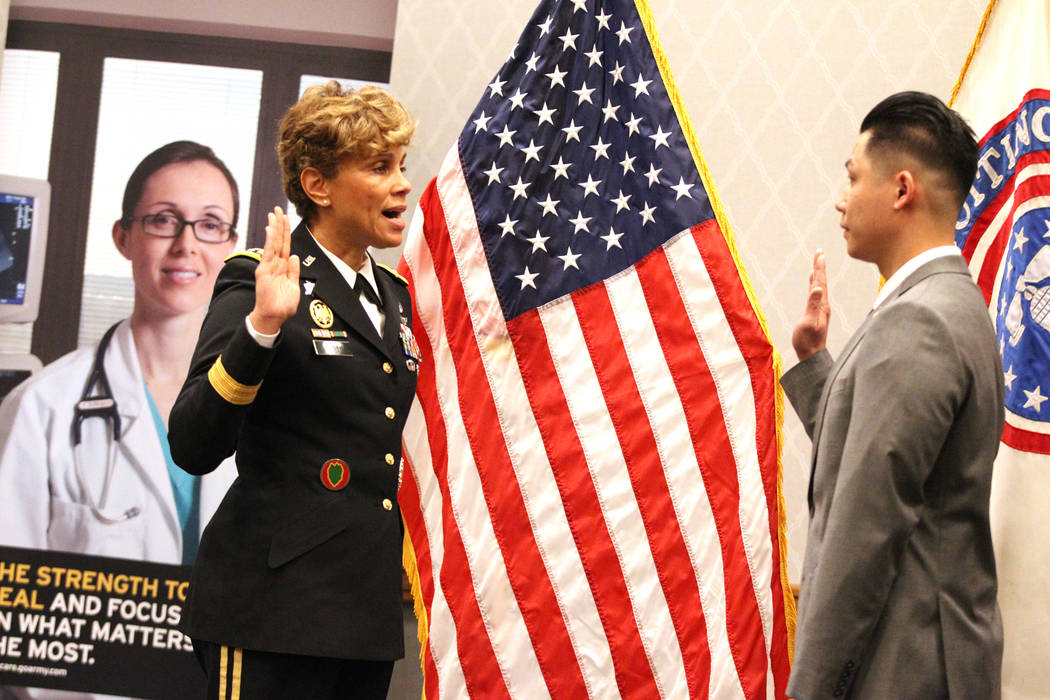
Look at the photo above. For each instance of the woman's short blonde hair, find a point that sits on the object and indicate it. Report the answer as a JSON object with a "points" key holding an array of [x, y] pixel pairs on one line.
{"points": [[329, 124]]}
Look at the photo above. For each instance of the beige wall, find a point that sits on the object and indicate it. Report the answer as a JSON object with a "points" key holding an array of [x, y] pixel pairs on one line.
{"points": [[776, 91], [363, 24]]}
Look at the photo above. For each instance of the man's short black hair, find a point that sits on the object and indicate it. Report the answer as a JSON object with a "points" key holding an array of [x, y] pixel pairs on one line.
{"points": [[923, 127]]}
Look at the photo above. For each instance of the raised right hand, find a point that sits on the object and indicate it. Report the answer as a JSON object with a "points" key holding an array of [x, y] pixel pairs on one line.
{"points": [[276, 277], [811, 332]]}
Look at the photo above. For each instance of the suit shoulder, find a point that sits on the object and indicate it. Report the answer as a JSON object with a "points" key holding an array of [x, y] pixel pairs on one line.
{"points": [[909, 314], [392, 273], [950, 297], [924, 329]]}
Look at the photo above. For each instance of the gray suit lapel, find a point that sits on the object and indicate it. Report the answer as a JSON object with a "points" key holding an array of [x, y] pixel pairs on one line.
{"points": [[953, 264], [851, 345]]}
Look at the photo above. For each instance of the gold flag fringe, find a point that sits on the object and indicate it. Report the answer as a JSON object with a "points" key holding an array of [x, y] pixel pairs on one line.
{"points": [[973, 50], [408, 560]]}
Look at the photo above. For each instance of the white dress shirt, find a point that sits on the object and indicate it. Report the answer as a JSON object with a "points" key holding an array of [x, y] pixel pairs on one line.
{"points": [[911, 266]]}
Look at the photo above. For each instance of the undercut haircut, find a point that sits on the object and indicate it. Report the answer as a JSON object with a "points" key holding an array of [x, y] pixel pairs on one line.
{"points": [[919, 125]]}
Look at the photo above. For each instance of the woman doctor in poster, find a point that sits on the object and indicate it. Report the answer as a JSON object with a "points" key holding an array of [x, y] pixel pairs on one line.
{"points": [[124, 498]]}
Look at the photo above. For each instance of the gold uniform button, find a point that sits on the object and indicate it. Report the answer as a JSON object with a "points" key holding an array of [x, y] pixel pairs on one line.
{"points": [[390, 413], [387, 367], [389, 459], [387, 505]]}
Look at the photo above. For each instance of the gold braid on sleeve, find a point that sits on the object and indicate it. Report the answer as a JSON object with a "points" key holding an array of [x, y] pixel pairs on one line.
{"points": [[229, 388]]}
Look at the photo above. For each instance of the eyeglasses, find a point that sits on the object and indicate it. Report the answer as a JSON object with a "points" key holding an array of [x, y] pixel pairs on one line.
{"points": [[208, 230]]}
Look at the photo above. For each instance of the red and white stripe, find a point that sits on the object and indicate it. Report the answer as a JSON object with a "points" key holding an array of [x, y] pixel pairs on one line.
{"points": [[591, 492]]}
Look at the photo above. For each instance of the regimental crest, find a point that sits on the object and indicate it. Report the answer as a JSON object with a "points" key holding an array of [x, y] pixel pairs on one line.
{"points": [[1004, 233], [321, 314]]}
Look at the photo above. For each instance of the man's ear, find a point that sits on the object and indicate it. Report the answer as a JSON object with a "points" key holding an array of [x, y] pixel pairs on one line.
{"points": [[906, 186], [315, 186]]}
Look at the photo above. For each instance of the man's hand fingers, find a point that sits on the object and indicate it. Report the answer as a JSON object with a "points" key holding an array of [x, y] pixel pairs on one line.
{"points": [[810, 333], [819, 276], [815, 302]]}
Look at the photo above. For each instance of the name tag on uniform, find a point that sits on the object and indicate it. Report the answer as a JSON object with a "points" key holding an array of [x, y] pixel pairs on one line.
{"points": [[333, 347]]}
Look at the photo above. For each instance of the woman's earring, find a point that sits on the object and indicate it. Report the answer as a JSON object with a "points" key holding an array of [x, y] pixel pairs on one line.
{"points": [[325, 202]]}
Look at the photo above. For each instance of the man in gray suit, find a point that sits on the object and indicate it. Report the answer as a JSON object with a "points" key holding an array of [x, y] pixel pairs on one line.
{"points": [[898, 593]]}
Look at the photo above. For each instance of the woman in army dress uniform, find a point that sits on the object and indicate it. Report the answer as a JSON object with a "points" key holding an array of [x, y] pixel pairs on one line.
{"points": [[306, 367]]}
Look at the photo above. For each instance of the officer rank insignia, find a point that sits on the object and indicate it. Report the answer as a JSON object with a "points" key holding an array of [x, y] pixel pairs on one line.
{"points": [[335, 474], [321, 314]]}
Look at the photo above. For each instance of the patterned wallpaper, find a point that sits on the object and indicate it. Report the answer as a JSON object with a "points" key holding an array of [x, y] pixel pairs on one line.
{"points": [[776, 90]]}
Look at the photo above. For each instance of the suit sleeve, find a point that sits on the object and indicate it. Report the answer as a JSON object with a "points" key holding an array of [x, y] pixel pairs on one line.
{"points": [[226, 372], [909, 382], [803, 385]]}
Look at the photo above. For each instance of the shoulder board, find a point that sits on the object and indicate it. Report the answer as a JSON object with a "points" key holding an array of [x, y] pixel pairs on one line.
{"points": [[393, 274], [253, 253]]}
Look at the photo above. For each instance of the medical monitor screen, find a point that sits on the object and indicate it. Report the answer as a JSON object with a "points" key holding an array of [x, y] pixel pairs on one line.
{"points": [[14, 369], [16, 229], [24, 209]]}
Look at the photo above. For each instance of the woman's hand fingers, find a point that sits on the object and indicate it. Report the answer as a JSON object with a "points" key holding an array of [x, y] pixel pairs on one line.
{"points": [[276, 277], [285, 228]]}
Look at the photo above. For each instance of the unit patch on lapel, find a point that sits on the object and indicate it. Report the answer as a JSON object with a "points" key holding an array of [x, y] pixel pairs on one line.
{"points": [[335, 474], [321, 314]]}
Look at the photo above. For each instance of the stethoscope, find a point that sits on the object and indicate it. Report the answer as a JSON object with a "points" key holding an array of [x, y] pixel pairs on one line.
{"points": [[99, 405]]}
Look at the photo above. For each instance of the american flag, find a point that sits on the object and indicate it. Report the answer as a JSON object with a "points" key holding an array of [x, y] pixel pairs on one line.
{"points": [[591, 486]]}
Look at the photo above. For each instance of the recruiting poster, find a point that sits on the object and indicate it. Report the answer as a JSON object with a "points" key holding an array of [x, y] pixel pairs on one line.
{"points": [[97, 516], [71, 621]]}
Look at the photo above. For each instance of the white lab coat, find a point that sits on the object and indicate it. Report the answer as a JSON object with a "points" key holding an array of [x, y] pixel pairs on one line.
{"points": [[41, 500]]}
